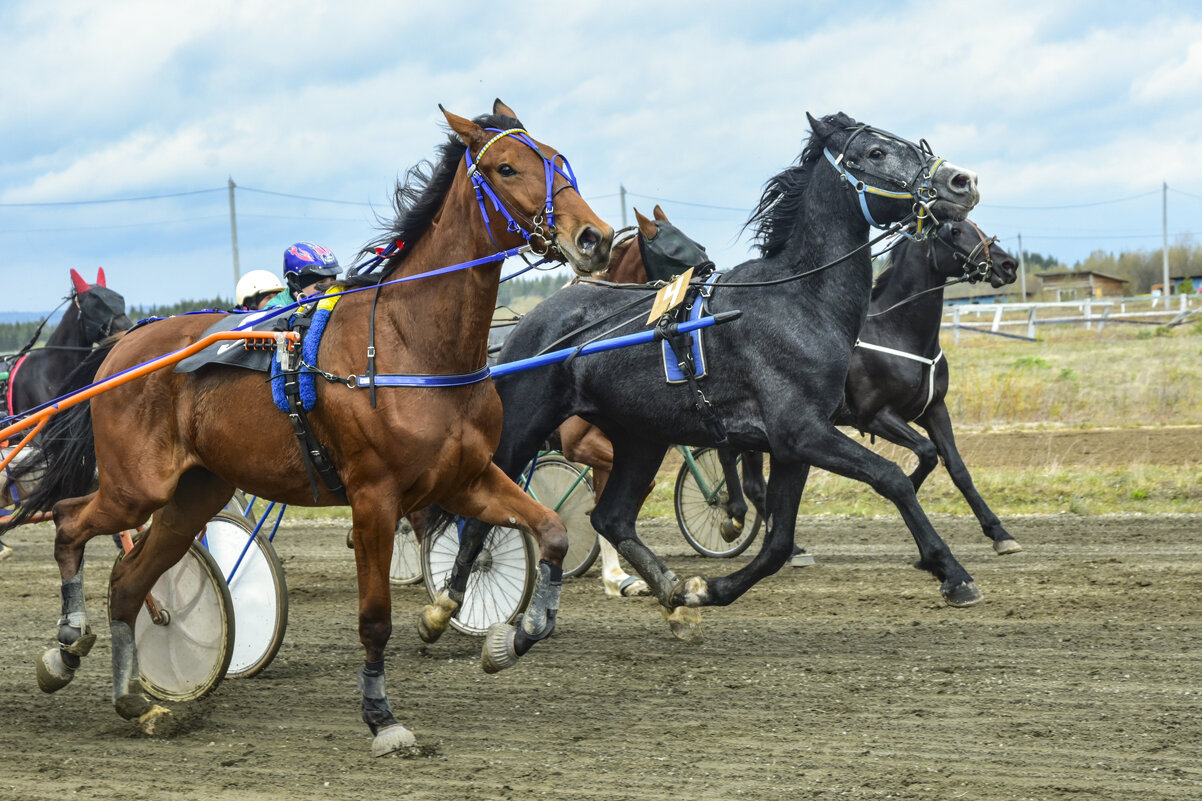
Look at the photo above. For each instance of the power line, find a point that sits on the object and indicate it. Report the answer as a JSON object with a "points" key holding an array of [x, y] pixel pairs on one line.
{"points": [[686, 203], [1070, 205], [304, 197], [112, 200]]}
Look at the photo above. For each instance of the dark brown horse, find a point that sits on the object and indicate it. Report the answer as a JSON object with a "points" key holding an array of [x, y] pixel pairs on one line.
{"points": [[176, 444]]}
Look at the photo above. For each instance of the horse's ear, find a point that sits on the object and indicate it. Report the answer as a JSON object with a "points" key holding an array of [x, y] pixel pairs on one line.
{"points": [[821, 129], [81, 286], [468, 132], [100, 277], [646, 227], [659, 213], [499, 107]]}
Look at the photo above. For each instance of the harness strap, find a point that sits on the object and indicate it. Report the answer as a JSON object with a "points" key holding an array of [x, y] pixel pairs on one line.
{"points": [[419, 380], [12, 378], [930, 363], [682, 349]]}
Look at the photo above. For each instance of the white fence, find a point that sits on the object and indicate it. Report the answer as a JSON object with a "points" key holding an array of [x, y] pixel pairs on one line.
{"points": [[1090, 312]]}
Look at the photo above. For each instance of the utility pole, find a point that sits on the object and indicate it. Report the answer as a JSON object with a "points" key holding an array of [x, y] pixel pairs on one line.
{"points": [[234, 233], [1022, 271], [1164, 218], [622, 195]]}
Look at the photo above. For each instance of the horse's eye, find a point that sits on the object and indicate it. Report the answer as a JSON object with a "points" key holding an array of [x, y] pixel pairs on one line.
{"points": [[955, 231], [876, 153], [506, 171]]}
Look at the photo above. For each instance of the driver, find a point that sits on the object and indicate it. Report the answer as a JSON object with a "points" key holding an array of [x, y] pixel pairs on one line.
{"points": [[255, 289], [309, 269]]}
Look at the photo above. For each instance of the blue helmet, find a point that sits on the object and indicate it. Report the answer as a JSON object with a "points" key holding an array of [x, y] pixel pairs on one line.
{"points": [[307, 263]]}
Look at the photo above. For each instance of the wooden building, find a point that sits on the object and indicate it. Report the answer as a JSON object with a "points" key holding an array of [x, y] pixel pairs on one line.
{"points": [[1081, 284]]}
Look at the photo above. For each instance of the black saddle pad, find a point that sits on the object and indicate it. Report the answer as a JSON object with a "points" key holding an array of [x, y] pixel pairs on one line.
{"points": [[233, 352]]}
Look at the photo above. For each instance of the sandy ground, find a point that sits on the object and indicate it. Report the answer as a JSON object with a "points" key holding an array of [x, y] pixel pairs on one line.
{"points": [[1077, 677]]}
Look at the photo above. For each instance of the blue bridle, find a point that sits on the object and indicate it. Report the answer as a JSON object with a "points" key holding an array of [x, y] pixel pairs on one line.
{"points": [[918, 189], [551, 169]]}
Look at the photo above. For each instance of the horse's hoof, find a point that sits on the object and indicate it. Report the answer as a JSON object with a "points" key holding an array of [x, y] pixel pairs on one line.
{"points": [[432, 623], [685, 624], [802, 559], [965, 594], [632, 587], [730, 529], [135, 706], [499, 651], [1007, 546], [53, 673], [392, 738], [690, 592], [151, 718]]}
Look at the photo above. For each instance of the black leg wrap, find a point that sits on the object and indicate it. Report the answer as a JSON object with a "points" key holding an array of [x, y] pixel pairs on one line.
{"points": [[538, 622], [377, 714]]}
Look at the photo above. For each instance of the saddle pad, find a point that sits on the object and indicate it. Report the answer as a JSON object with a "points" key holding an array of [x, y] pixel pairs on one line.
{"points": [[672, 373], [232, 352]]}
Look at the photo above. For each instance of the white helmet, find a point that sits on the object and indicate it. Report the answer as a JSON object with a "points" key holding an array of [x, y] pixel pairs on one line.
{"points": [[256, 282]]}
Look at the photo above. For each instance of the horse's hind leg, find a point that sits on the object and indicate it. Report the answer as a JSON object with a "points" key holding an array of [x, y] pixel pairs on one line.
{"points": [[76, 521], [197, 497]]}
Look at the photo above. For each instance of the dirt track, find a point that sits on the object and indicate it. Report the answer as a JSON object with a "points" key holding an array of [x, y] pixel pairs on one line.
{"points": [[1078, 677]]}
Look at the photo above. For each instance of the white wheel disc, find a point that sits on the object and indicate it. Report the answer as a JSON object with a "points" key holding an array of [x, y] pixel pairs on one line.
{"points": [[256, 584], [187, 657], [501, 580], [406, 555]]}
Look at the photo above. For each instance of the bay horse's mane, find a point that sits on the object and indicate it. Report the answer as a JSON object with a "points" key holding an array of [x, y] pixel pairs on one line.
{"points": [[781, 209], [418, 197]]}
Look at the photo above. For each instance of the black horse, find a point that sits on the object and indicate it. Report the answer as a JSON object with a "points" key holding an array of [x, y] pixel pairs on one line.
{"points": [[776, 375], [898, 374], [94, 314]]}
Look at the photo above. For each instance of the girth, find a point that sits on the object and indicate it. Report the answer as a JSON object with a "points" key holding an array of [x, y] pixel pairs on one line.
{"points": [[314, 455]]}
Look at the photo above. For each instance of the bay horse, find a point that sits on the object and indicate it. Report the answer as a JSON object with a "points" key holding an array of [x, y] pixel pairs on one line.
{"points": [[94, 314], [777, 373], [175, 445]]}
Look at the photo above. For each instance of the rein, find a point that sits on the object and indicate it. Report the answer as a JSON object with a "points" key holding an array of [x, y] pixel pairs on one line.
{"points": [[974, 271]]}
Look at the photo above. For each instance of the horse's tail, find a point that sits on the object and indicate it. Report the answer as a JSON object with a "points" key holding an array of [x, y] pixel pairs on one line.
{"points": [[61, 464]]}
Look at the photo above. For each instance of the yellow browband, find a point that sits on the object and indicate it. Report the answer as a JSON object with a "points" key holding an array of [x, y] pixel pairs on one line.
{"points": [[489, 143]]}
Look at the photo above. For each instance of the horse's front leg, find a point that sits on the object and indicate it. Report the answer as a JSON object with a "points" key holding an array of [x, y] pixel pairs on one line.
{"points": [[373, 538], [938, 424], [785, 485], [736, 503], [494, 500]]}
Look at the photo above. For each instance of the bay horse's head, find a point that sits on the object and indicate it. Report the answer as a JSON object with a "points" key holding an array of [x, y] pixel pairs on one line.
{"points": [[961, 249], [894, 179], [530, 190], [101, 310]]}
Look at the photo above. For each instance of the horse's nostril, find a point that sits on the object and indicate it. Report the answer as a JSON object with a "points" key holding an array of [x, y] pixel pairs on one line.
{"points": [[960, 181], [1009, 266], [587, 240]]}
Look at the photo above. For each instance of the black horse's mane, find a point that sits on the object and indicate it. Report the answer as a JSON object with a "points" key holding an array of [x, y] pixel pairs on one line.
{"points": [[780, 209], [418, 197], [897, 253]]}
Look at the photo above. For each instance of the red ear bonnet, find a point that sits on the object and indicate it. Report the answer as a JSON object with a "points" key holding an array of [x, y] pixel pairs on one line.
{"points": [[81, 286], [100, 277]]}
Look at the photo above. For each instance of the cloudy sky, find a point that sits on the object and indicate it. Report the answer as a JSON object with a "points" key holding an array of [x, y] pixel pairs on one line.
{"points": [[1072, 113]]}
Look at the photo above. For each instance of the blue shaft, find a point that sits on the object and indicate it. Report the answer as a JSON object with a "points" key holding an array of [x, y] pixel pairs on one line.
{"points": [[556, 356]]}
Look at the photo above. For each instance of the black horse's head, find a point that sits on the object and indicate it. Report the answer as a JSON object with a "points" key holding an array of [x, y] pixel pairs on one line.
{"points": [[892, 177], [101, 310], [666, 250], [962, 249]]}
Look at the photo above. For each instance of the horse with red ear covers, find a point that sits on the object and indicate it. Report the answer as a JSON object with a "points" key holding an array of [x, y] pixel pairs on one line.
{"points": [[95, 315], [165, 443]]}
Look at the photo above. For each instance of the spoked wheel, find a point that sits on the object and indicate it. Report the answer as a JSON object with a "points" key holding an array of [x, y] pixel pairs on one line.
{"points": [[185, 653], [501, 582], [406, 555], [564, 488], [255, 578], [701, 502]]}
